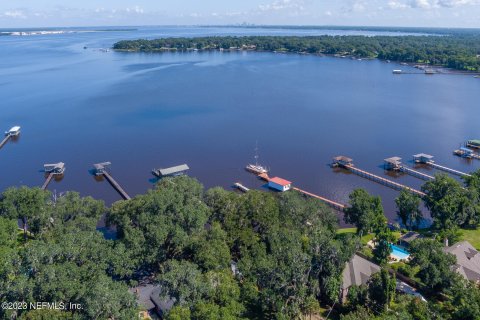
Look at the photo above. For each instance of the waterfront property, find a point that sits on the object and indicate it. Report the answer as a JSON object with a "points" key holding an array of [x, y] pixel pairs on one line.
{"points": [[171, 172], [347, 163], [468, 260], [101, 169], [279, 184], [357, 272]]}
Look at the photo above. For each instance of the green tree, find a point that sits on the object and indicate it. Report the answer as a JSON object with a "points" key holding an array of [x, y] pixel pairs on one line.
{"points": [[364, 211], [447, 201], [408, 209], [29, 204], [383, 247], [434, 264], [381, 289]]}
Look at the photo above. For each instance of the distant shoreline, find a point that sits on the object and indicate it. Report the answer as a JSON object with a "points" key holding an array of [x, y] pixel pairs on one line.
{"points": [[463, 51]]}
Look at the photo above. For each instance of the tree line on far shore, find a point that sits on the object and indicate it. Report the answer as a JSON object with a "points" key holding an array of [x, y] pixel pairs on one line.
{"points": [[459, 51]]}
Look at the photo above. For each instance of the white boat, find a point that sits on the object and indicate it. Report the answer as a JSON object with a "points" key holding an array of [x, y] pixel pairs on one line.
{"points": [[397, 71], [255, 168]]}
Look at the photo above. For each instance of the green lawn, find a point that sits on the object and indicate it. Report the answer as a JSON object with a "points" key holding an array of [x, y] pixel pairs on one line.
{"points": [[472, 236], [365, 238]]}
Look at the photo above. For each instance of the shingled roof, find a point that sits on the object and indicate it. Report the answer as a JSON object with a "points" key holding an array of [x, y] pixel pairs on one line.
{"points": [[468, 260], [358, 271]]}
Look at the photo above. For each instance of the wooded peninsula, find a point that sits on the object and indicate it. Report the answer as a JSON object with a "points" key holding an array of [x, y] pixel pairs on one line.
{"points": [[459, 51]]}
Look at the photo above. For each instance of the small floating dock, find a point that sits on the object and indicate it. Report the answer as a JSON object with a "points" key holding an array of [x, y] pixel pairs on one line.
{"points": [[347, 163], [13, 132], [395, 164], [241, 187], [171, 172], [428, 160], [52, 169], [101, 169]]}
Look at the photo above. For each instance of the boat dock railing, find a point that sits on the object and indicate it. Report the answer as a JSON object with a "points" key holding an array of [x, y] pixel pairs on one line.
{"points": [[331, 203], [428, 160], [365, 174], [395, 164], [53, 169], [101, 169]]}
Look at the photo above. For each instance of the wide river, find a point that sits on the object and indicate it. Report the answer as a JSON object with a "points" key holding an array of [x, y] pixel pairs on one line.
{"points": [[143, 111]]}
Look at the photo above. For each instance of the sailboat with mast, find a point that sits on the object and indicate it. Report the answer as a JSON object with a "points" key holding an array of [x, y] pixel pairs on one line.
{"points": [[256, 168]]}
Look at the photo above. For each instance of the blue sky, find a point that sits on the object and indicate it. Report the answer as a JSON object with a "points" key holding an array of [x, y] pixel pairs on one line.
{"points": [[433, 13]]}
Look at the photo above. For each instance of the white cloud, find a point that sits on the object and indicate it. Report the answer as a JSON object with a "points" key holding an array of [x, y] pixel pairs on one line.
{"points": [[430, 4], [16, 14], [278, 5]]}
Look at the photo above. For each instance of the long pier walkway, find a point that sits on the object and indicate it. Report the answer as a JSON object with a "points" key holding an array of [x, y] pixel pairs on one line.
{"points": [[100, 169], [116, 186], [428, 160], [347, 163], [333, 204], [4, 141], [47, 181], [395, 164]]}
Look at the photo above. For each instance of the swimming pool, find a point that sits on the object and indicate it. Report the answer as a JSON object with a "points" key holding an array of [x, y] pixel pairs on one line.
{"points": [[399, 253]]}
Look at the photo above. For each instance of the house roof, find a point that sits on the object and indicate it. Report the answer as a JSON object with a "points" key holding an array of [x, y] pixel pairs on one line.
{"points": [[468, 260], [358, 271], [280, 181], [423, 155], [343, 158], [410, 236], [393, 160]]}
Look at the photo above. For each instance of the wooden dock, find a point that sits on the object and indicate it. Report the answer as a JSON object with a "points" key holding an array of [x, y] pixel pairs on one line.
{"points": [[53, 169], [333, 204], [347, 163], [101, 169], [395, 164], [241, 187], [4, 141], [116, 186], [449, 170], [47, 181], [428, 160]]}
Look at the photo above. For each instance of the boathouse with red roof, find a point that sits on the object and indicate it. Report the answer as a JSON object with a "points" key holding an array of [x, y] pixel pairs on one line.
{"points": [[279, 184]]}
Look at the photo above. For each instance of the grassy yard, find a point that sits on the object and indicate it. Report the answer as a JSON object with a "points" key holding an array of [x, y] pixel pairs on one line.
{"points": [[366, 237], [472, 236]]}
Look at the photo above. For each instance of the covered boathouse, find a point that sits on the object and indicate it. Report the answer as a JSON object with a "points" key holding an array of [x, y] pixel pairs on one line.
{"points": [[171, 172], [279, 184]]}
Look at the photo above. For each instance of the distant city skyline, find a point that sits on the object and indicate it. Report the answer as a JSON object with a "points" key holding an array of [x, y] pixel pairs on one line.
{"points": [[402, 13]]}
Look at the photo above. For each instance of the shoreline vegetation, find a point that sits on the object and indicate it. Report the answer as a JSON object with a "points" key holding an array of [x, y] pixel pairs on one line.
{"points": [[455, 51], [218, 254]]}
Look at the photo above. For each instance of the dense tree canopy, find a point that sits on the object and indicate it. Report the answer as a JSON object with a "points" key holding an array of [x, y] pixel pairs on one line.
{"points": [[454, 50]]}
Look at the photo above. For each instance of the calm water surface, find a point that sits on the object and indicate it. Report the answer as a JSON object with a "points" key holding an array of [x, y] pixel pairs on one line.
{"points": [[141, 111]]}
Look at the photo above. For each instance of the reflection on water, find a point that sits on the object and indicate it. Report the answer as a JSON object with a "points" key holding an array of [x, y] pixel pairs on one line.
{"points": [[143, 111]]}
